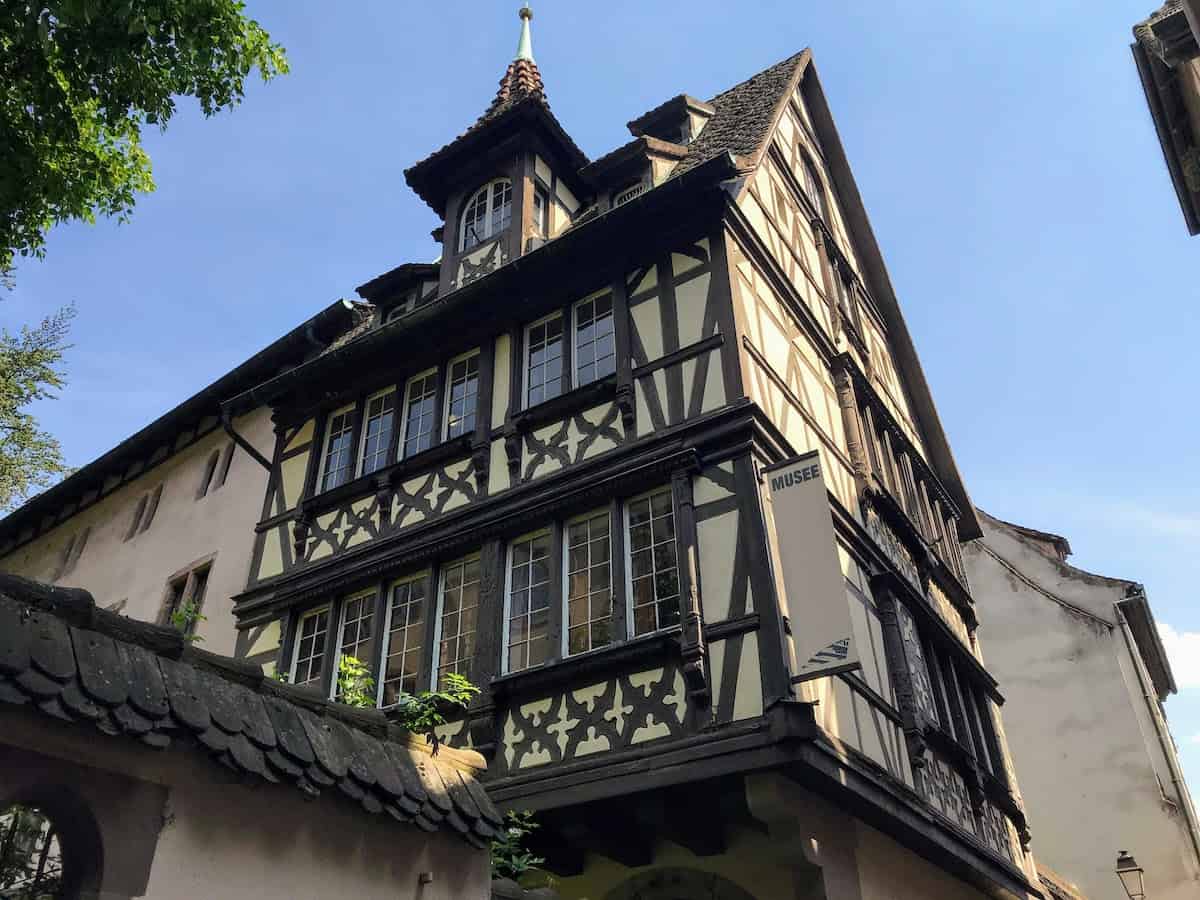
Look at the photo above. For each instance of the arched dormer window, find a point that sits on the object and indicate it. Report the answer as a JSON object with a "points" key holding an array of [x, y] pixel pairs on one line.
{"points": [[487, 213], [814, 190]]}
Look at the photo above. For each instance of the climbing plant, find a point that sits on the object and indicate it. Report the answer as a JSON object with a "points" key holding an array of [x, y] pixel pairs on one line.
{"points": [[510, 857]]}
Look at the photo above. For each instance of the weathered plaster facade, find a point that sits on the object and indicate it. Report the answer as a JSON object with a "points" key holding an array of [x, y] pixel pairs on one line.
{"points": [[1085, 677]]}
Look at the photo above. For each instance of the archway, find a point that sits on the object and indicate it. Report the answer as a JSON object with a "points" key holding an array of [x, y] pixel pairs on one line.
{"points": [[679, 884], [49, 846]]}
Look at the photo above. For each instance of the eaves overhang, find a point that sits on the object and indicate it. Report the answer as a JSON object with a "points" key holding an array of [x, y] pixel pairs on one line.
{"points": [[1136, 610], [311, 335]]}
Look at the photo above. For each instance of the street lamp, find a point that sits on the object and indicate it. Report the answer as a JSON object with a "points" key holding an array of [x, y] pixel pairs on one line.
{"points": [[1131, 874]]}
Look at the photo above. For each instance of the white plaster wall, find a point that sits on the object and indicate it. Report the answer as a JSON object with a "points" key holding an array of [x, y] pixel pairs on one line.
{"points": [[266, 843], [184, 531], [887, 871], [1078, 725]]}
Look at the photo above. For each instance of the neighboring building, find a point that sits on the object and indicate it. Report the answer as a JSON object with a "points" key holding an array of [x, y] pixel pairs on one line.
{"points": [[540, 463], [159, 523], [1167, 54], [134, 765], [1085, 675]]}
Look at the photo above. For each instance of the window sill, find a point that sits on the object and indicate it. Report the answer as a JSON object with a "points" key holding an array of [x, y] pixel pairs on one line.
{"points": [[558, 407], [649, 648]]}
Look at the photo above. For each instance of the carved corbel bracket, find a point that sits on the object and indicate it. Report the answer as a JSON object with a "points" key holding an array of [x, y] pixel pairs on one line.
{"points": [[481, 461], [481, 726], [300, 531], [383, 496], [513, 445], [626, 406]]}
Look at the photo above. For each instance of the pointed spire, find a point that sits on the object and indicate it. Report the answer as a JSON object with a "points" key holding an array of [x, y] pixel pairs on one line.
{"points": [[525, 47], [522, 80]]}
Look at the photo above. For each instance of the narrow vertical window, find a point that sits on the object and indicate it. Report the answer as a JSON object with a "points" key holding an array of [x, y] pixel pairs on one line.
{"points": [[379, 421], [501, 206], [813, 189], [226, 462], [138, 512], [462, 396], [595, 344], [528, 625], [308, 659], [357, 629], [151, 508], [459, 612], [404, 639], [653, 567], [544, 362], [541, 212], [420, 401], [588, 574], [210, 466], [337, 462]]}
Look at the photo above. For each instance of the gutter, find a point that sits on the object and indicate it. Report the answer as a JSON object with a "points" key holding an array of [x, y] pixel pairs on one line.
{"points": [[1165, 743]]}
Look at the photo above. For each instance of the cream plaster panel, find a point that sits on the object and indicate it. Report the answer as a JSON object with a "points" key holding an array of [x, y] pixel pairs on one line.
{"points": [[501, 379], [691, 302], [498, 475], [302, 437], [706, 490], [714, 382], [272, 558], [647, 322], [649, 282], [681, 263], [644, 423], [184, 531], [749, 701], [717, 539], [883, 864], [542, 170], [270, 639], [291, 476], [457, 498]]}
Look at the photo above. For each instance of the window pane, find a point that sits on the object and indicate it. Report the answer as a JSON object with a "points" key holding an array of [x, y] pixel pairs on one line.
{"points": [[589, 584], [377, 433], [595, 345], [402, 650], [474, 222], [653, 562], [337, 464], [460, 601], [418, 416], [358, 619], [309, 664], [544, 369], [528, 622], [462, 396]]}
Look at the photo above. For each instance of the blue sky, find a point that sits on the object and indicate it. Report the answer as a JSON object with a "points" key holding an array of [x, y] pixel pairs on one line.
{"points": [[1004, 152]]}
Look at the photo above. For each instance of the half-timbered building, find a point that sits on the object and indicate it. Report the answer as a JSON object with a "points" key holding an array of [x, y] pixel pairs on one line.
{"points": [[540, 465]]}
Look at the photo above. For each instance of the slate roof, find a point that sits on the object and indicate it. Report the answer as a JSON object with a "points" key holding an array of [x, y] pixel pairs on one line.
{"points": [[744, 116], [73, 661]]}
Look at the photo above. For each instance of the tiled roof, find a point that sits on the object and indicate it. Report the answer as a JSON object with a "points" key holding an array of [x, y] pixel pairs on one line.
{"points": [[522, 81], [364, 320], [70, 660], [744, 116]]}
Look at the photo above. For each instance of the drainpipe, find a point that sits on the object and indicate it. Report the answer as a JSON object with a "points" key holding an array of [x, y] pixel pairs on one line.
{"points": [[1166, 745]]}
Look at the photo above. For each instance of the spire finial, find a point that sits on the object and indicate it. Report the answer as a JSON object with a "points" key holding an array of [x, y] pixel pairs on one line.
{"points": [[525, 47]]}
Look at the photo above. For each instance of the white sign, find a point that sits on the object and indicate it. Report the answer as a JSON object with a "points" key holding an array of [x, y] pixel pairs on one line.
{"points": [[809, 572]]}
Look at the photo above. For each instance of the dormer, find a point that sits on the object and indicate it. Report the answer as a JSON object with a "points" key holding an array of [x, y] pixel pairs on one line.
{"points": [[508, 184], [629, 171], [405, 288], [678, 121]]}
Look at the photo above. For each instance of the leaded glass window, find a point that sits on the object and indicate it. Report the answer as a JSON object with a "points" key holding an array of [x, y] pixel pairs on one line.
{"points": [[589, 583], [378, 424], [338, 461], [420, 407], [653, 562], [308, 660], [459, 612], [462, 396], [404, 639], [595, 342], [529, 602], [544, 368]]}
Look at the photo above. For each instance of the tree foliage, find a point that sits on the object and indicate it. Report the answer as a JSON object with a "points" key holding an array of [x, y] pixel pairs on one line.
{"points": [[510, 857], [78, 81], [30, 370]]}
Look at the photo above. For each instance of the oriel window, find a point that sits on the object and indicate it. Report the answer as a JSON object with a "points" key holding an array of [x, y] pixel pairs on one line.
{"points": [[653, 562]]}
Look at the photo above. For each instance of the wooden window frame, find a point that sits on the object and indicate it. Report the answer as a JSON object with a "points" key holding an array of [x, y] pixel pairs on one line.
{"points": [[614, 637], [553, 596], [327, 677], [339, 641], [630, 623], [326, 439], [385, 634], [189, 577], [447, 384], [436, 652], [388, 451], [576, 380], [489, 211], [402, 446], [565, 359]]}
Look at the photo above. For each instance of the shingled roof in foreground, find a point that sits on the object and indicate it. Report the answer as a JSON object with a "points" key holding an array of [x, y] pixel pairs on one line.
{"points": [[69, 659]]}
